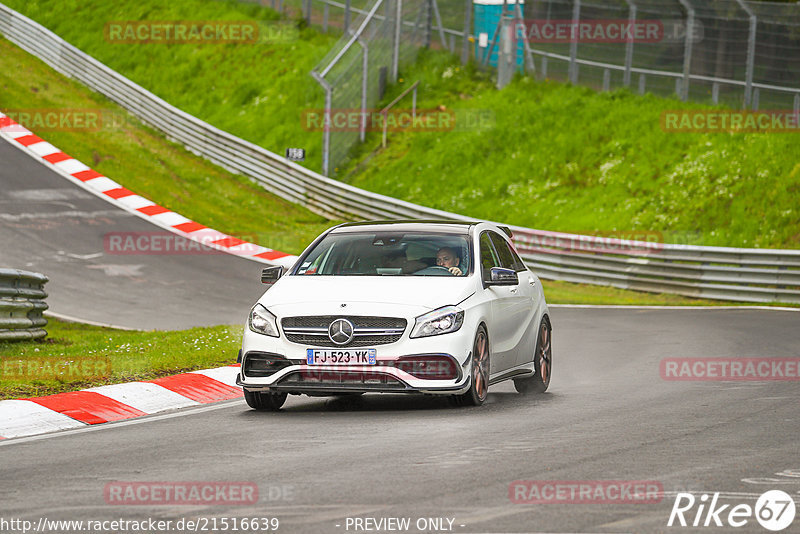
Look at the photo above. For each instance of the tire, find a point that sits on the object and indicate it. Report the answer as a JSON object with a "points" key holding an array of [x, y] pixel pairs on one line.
{"points": [[266, 401], [542, 363], [479, 372]]}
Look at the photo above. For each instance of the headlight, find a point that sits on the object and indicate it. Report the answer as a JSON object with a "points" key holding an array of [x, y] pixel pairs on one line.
{"points": [[263, 322], [441, 321]]}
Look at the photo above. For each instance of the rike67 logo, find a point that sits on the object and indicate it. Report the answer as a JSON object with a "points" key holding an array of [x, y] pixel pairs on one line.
{"points": [[774, 510]]}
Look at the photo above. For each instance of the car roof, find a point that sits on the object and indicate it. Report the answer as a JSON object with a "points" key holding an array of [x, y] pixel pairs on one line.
{"points": [[415, 225], [410, 225]]}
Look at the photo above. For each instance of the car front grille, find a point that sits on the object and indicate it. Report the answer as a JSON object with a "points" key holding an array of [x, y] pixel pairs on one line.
{"points": [[367, 331]]}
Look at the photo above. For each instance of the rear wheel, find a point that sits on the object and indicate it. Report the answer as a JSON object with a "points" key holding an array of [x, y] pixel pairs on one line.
{"points": [[264, 401], [479, 379], [542, 364]]}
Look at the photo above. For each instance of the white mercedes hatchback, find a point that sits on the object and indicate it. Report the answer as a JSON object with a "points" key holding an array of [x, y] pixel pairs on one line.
{"points": [[433, 307]]}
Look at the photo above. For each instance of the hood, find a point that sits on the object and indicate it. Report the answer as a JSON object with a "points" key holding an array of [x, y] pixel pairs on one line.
{"points": [[420, 293]]}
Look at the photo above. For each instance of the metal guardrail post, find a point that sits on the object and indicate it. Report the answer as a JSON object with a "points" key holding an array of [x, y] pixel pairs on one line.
{"points": [[573, 45], [22, 302], [626, 77], [465, 44], [325, 13], [751, 53], [346, 16], [687, 49], [307, 11]]}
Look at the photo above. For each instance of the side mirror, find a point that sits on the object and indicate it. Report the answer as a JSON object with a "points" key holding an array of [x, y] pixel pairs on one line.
{"points": [[270, 275], [498, 276]]}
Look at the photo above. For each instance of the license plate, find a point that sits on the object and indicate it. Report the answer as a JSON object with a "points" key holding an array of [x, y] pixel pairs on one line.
{"points": [[341, 356]]}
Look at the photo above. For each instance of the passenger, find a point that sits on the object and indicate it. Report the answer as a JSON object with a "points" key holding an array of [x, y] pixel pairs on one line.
{"points": [[446, 257]]}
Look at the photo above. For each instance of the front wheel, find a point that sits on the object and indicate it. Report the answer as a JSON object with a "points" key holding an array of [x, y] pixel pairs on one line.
{"points": [[479, 379], [542, 364], [264, 401]]}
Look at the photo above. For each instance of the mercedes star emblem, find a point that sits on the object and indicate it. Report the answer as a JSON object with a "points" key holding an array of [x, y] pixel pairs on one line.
{"points": [[341, 331]]}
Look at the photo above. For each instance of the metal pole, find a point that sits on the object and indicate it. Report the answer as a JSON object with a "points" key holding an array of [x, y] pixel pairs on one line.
{"points": [[325, 10], [573, 46], [435, 6], [751, 53], [346, 16], [428, 22], [398, 26], [626, 78], [364, 82], [531, 66], [687, 49], [307, 11], [326, 128], [467, 32]]}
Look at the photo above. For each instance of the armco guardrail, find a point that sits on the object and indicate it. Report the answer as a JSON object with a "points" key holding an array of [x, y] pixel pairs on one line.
{"points": [[752, 275], [21, 305]]}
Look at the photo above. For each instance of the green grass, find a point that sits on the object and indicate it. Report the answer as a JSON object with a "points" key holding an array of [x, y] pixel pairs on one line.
{"points": [[146, 163], [108, 356]]}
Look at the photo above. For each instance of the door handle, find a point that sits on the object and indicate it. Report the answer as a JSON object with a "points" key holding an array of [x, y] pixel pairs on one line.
{"points": [[513, 290], [532, 281]]}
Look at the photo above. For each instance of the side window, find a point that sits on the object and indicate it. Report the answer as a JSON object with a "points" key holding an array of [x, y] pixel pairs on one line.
{"points": [[488, 255], [520, 265], [507, 259]]}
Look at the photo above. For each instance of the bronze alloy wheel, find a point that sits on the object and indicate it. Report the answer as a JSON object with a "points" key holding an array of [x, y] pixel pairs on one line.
{"points": [[479, 377], [542, 363]]}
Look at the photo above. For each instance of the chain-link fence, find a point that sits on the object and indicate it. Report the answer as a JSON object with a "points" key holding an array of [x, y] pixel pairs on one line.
{"points": [[737, 52]]}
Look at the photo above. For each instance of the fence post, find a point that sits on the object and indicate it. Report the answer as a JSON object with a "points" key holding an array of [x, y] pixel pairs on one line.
{"points": [[755, 99], [606, 79], [362, 131], [435, 6], [325, 10], [687, 49], [398, 26], [428, 22], [626, 77], [641, 84], [715, 92], [346, 16], [573, 46], [467, 32], [326, 128], [751, 53], [530, 64], [797, 110], [307, 11]]}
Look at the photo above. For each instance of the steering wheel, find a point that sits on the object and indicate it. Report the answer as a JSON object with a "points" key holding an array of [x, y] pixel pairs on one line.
{"points": [[435, 270]]}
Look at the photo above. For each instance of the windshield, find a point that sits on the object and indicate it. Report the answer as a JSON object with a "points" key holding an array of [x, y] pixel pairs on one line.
{"points": [[388, 254]]}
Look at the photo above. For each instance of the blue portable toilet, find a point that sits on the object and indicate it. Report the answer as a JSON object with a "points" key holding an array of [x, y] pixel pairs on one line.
{"points": [[486, 17]]}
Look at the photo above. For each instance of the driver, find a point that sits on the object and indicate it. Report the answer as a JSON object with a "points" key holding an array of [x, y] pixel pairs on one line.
{"points": [[446, 257]]}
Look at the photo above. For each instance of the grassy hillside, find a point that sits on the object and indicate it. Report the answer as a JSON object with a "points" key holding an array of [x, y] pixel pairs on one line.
{"points": [[555, 157]]}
